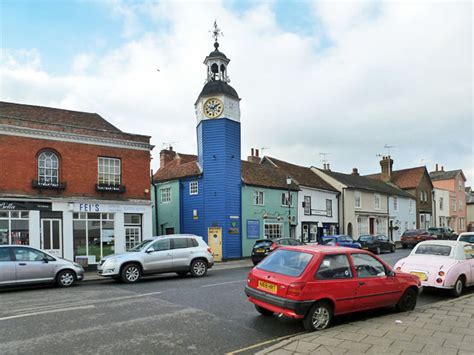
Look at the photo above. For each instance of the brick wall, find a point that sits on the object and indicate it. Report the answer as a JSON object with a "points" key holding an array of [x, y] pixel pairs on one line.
{"points": [[78, 168]]}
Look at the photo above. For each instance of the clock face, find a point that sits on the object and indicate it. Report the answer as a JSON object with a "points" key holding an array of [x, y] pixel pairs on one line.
{"points": [[213, 108]]}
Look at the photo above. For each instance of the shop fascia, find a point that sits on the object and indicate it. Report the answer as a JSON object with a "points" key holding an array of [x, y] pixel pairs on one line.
{"points": [[98, 207]]}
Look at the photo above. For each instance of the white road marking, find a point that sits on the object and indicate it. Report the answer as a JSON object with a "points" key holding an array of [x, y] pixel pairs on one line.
{"points": [[45, 312], [224, 283]]}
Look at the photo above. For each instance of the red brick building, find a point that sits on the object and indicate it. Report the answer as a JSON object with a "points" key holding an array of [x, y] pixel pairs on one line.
{"points": [[71, 182]]}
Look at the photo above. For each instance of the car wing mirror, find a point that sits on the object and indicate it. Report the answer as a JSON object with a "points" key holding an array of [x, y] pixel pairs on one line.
{"points": [[150, 250], [45, 260], [391, 273]]}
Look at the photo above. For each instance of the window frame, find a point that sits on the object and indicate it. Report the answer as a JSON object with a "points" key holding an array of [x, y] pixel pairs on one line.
{"points": [[258, 198], [270, 235], [43, 178], [107, 181], [395, 203], [377, 202], [328, 207], [372, 258], [307, 206], [163, 191], [357, 197], [194, 188], [349, 265]]}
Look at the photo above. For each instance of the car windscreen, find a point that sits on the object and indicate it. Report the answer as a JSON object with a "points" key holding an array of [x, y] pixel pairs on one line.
{"points": [[467, 238], [286, 262], [433, 249], [410, 233], [140, 247], [326, 241], [365, 238], [264, 243]]}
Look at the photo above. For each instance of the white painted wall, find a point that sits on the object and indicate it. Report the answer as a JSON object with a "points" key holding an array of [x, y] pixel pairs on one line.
{"points": [[402, 217], [441, 215]]}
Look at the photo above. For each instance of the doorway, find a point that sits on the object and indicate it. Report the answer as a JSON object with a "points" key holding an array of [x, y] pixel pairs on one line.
{"points": [[214, 240], [51, 236], [371, 226]]}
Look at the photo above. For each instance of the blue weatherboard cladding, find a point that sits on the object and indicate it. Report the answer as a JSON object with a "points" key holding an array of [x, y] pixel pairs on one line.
{"points": [[189, 203], [219, 157]]}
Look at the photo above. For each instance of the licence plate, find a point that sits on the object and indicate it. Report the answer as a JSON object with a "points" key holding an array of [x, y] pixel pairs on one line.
{"points": [[260, 250], [421, 275], [263, 285]]}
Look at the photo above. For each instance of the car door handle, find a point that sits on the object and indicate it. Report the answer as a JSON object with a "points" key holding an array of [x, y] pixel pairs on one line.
{"points": [[22, 264], [361, 283]]}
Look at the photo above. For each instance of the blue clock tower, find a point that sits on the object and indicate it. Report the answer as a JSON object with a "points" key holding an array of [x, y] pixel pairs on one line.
{"points": [[218, 137]]}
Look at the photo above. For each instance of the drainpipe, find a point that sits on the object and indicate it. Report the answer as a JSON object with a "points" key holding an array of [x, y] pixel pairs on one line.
{"points": [[343, 214], [156, 205]]}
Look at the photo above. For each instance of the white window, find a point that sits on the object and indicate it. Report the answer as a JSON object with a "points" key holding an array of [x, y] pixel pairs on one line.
{"points": [[273, 230], [165, 194], [395, 203], [461, 223], [328, 208], [459, 185], [362, 225], [422, 195], [454, 205], [258, 198], [307, 205], [460, 205], [109, 171], [133, 229], [410, 206], [14, 227], [193, 188], [441, 203], [48, 168], [381, 225], [377, 201], [284, 199], [357, 201]]}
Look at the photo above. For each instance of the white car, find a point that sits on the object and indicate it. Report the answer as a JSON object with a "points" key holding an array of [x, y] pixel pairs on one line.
{"points": [[466, 237]]}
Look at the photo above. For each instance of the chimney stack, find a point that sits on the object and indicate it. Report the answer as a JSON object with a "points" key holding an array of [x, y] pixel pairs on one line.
{"points": [[253, 157], [436, 167], [387, 167], [166, 156], [442, 168], [326, 167], [355, 172]]}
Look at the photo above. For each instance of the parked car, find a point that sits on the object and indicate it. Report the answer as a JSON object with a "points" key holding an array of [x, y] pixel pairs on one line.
{"points": [[441, 264], [27, 265], [340, 240], [376, 243], [467, 237], [443, 233], [412, 237], [263, 247], [316, 283], [180, 253]]}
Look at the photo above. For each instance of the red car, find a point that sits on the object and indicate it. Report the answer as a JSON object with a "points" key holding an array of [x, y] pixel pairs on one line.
{"points": [[316, 283], [412, 237]]}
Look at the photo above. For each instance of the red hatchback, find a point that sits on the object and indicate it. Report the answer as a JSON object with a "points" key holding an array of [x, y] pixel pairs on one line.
{"points": [[316, 283]]}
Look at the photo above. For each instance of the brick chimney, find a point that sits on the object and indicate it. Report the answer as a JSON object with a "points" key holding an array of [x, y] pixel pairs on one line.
{"points": [[166, 156], [436, 167], [355, 172], [387, 167], [253, 157], [326, 167]]}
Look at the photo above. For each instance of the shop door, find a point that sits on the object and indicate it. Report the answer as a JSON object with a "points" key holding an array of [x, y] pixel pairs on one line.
{"points": [[214, 240], [371, 225], [51, 237]]}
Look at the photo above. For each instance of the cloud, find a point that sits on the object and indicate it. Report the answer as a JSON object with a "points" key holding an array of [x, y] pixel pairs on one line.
{"points": [[396, 73]]}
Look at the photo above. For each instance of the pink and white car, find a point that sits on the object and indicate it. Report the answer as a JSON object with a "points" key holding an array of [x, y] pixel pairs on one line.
{"points": [[442, 264]]}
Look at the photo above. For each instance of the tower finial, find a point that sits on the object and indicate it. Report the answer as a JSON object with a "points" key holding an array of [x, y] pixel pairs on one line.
{"points": [[216, 33]]}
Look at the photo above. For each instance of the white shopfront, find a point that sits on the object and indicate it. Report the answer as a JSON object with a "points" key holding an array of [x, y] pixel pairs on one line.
{"points": [[76, 230]]}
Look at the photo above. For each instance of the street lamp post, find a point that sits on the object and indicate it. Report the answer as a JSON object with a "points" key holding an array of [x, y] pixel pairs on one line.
{"points": [[288, 183]]}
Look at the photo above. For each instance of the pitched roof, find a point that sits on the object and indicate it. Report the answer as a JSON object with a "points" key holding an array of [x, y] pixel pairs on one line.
{"points": [[302, 175], [366, 183], [183, 165], [445, 175], [54, 119], [405, 178], [265, 176]]}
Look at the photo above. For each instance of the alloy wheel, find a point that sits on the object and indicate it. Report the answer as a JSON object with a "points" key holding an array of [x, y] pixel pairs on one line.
{"points": [[199, 268], [132, 274], [320, 318]]}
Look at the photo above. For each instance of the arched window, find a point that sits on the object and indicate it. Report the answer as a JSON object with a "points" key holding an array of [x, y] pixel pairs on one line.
{"points": [[48, 168]]}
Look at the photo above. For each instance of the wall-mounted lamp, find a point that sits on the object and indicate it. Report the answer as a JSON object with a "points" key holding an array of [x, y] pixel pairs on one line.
{"points": [[147, 191]]}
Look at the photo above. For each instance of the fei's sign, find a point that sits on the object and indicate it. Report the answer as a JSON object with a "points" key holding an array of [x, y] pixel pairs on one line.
{"points": [[96, 207]]}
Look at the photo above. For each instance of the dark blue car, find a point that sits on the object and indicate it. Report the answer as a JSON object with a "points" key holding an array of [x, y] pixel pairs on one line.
{"points": [[340, 240]]}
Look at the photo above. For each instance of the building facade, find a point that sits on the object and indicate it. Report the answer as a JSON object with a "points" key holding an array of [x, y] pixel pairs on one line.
{"points": [[453, 181], [469, 209], [441, 200], [71, 183]]}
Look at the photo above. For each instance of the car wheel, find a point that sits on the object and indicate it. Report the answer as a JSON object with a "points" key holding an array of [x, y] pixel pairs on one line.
{"points": [[458, 287], [131, 273], [198, 268], [377, 250], [392, 249], [408, 301], [182, 273], [319, 317], [65, 278], [264, 312]]}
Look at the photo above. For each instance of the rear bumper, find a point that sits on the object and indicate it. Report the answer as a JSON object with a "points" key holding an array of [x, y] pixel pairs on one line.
{"points": [[290, 308]]}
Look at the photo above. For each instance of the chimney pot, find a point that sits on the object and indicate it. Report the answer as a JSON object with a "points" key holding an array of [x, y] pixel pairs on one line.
{"points": [[256, 153], [355, 171], [327, 167], [436, 167], [442, 168], [251, 152]]}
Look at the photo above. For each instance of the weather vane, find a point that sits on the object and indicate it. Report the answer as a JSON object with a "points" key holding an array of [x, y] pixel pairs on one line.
{"points": [[216, 32]]}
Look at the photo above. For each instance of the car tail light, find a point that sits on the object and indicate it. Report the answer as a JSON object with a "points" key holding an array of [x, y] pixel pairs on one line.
{"points": [[337, 244], [209, 250], [441, 273], [439, 280], [250, 279], [273, 246], [295, 289]]}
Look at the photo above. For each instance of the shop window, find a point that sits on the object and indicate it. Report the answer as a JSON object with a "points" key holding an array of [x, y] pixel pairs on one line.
{"points": [[94, 235], [109, 171], [48, 168], [14, 227], [133, 230], [273, 230]]}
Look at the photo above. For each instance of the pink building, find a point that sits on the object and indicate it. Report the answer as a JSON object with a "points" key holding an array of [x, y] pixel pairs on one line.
{"points": [[454, 182]]}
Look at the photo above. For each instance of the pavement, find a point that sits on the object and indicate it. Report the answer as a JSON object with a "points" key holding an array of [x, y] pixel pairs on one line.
{"points": [[219, 265], [445, 327]]}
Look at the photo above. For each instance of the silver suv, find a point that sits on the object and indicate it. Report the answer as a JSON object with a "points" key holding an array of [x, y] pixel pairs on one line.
{"points": [[24, 265], [180, 253]]}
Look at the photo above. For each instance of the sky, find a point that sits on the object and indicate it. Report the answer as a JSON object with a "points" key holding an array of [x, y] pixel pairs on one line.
{"points": [[334, 80]]}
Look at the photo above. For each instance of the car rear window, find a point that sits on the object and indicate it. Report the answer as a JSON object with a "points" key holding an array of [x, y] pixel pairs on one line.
{"points": [[365, 238], [263, 243], [328, 241], [467, 238], [286, 262], [432, 249]]}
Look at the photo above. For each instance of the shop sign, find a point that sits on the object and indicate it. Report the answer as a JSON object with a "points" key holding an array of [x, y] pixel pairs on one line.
{"points": [[109, 207], [253, 229], [233, 230], [24, 205]]}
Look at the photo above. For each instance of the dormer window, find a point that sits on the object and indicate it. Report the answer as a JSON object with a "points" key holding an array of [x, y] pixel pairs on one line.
{"points": [[48, 168]]}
